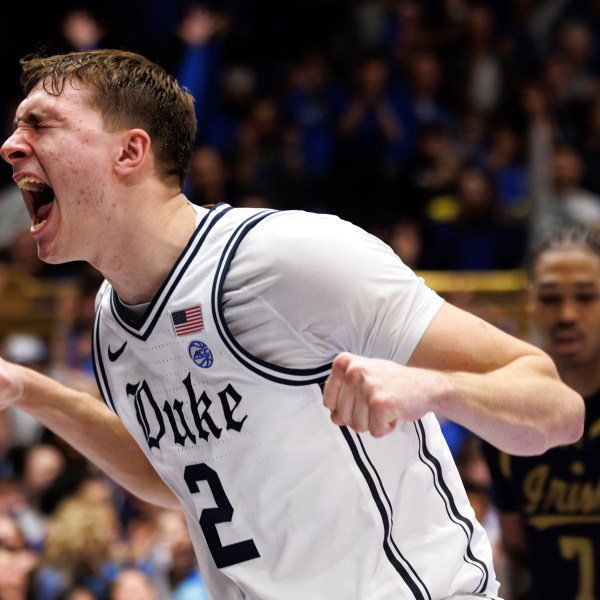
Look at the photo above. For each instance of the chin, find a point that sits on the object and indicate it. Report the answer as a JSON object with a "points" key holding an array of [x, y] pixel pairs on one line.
{"points": [[569, 361], [51, 257]]}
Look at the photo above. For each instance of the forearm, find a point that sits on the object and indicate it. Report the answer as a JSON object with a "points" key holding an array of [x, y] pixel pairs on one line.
{"points": [[91, 428], [502, 389], [522, 408]]}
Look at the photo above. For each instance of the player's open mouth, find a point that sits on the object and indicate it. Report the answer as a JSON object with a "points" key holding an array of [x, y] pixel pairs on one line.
{"points": [[38, 197]]}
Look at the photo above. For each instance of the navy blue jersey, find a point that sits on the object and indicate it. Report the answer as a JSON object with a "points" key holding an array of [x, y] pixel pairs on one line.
{"points": [[558, 497]]}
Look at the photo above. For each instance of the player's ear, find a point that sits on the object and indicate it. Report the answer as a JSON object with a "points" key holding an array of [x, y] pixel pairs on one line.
{"points": [[133, 151]]}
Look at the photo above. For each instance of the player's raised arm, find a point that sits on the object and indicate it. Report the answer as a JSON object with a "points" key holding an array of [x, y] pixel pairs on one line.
{"points": [[502, 389], [88, 425]]}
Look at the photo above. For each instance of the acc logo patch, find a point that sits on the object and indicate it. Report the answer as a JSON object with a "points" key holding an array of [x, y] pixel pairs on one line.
{"points": [[201, 355]]}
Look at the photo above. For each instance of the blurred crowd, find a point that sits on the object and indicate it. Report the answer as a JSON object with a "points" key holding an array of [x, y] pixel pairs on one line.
{"points": [[455, 130]]}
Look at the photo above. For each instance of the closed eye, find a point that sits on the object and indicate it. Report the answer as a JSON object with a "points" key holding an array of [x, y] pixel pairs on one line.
{"points": [[549, 299]]}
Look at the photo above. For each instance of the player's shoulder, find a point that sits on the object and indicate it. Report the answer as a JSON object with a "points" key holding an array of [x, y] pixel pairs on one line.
{"points": [[319, 249], [297, 233], [302, 222]]}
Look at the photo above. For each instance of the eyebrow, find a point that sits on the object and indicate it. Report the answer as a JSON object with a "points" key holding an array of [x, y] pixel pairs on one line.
{"points": [[29, 116], [580, 285], [35, 113]]}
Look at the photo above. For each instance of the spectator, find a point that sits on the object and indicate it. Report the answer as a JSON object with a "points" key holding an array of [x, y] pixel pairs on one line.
{"points": [[183, 572], [479, 236], [209, 179], [132, 584], [43, 463], [575, 44], [407, 32], [375, 133], [31, 350], [71, 347], [78, 593], [311, 104], [405, 237], [198, 65], [266, 154], [80, 29], [23, 261], [79, 550], [428, 177], [589, 146], [16, 561], [504, 160], [559, 193], [424, 90], [476, 67]]}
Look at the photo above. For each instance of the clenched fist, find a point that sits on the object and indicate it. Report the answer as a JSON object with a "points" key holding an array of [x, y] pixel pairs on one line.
{"points": [[370, 394]]}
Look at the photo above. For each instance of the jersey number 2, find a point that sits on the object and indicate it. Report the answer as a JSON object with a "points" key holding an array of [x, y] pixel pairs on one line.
{"points": [[224, 556]]}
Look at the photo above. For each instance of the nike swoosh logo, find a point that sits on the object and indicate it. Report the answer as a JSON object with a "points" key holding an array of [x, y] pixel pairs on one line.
{"points": [[112, 356]]}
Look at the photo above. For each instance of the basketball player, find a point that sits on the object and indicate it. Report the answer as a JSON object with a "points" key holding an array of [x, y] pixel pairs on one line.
{"points": [[215, 332], [550, 508]]}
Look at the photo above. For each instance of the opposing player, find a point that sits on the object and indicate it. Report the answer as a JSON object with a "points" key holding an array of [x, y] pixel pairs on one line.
{"points": [[550, 514], [215, 332]]}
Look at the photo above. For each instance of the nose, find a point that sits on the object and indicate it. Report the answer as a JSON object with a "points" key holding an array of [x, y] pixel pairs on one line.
{"points": [[569, 310], [14, 148]]}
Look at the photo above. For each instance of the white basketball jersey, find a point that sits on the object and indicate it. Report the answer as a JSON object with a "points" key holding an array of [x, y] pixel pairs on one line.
{"points": [[281, 504]]}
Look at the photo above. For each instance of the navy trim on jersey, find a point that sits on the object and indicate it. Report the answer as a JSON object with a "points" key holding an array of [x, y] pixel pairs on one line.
{"points": [[384, 506], [444, 491], [261, 367], [99, 370], [143, 327]]}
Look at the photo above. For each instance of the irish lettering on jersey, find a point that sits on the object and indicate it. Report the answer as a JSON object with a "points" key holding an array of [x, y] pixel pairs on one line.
{"points": [[558, 497]]}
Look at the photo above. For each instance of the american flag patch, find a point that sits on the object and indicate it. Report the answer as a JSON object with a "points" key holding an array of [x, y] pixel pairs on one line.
{"points": [[188, 320]]}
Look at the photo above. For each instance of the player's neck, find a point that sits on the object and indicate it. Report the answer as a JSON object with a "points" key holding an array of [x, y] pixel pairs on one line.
{"points": [[149, 253]]}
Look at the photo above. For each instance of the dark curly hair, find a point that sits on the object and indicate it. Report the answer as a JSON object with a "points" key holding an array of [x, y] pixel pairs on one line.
{"points": [[561, 236]]}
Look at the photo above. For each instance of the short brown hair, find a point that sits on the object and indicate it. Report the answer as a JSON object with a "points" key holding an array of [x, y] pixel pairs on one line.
{"points": [[129, 91]]}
